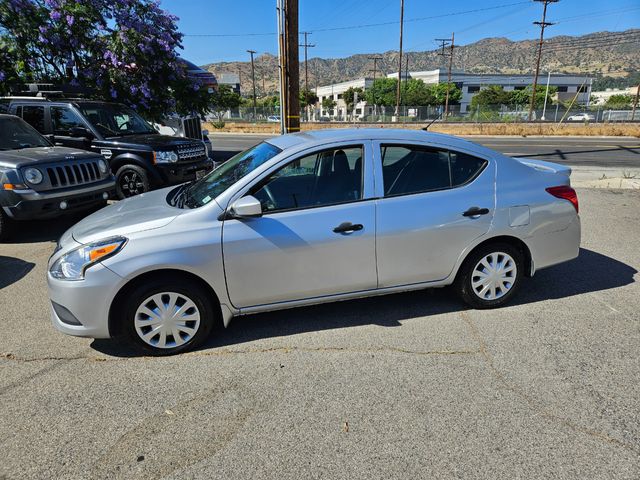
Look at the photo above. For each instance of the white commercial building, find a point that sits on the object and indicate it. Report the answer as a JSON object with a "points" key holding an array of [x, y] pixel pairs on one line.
{"points": [[568, 87]]}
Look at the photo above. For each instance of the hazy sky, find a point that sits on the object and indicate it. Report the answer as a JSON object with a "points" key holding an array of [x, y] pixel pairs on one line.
{"points": [[251, 24]]}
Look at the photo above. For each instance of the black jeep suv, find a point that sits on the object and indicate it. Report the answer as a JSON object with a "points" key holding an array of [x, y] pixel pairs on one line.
{"points": [[38, 180], [139, 156]]}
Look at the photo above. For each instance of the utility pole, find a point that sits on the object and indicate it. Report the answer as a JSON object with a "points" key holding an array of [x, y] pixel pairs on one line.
{"points": [[282, 64], [635, 103], [399, 60], [375, 69], [306, 45], [446, 43], [306, 69], [253, 79], [542, 24], [292, 66]]}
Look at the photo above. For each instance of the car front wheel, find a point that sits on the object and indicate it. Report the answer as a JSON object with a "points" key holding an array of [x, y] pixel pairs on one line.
{"points": [[164, 317], [490, 276]]}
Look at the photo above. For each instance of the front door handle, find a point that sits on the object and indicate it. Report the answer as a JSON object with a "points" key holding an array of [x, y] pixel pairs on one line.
{"points": [[474, 211], [345, 227]]}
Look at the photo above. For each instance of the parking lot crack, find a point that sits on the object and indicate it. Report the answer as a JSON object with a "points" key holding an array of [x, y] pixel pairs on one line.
{"points": [[532, 403]]}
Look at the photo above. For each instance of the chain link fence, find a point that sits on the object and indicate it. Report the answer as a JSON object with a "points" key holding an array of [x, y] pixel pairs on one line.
{"points": [[422, 114]]}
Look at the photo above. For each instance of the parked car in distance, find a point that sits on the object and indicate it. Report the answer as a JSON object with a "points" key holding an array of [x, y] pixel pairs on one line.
{"points": [[38, 180], [273, 118], [307, 218], [141, 158], [581, 117]]}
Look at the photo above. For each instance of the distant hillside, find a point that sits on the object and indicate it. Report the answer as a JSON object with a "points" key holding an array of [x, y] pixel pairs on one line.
{"points": [[607, 53]]}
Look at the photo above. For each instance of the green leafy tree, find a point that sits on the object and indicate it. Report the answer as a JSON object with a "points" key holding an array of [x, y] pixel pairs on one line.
{"points": [[439, 92], [490, 98], [269, 101], [382, 92], [351, 96], [328, 103], [224, 99], [417, 93], [307, 98], [619, 102], [523, 97]]}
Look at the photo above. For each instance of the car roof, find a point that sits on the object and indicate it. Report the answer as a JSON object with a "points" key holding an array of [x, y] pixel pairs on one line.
{"points": [[319, 137]]}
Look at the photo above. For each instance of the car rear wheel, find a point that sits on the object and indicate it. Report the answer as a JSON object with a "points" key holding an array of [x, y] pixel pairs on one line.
{"points": [[166, 317], [131, 180], [490, 276]]}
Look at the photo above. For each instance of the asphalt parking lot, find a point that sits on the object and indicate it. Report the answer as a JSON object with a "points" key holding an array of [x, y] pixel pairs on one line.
{"points": [[403, 386]]}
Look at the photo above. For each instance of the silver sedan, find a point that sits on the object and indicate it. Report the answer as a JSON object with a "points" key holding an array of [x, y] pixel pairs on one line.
{"points": [[308, 218]]}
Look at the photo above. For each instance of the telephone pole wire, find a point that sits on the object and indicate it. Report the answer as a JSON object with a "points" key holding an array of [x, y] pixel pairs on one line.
{"points": [[399, 61], [542, 24]]}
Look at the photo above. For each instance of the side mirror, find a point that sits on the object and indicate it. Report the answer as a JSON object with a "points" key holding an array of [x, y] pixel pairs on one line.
{"points": [[246, 207], [205, 133], [80, 132]]}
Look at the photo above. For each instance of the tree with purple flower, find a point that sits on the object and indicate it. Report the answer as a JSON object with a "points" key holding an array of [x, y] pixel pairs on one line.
{"points": [[121, 49]]}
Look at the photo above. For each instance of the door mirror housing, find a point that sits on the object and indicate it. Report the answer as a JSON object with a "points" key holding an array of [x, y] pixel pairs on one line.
{"points": [[246, 207], [80, 132]]}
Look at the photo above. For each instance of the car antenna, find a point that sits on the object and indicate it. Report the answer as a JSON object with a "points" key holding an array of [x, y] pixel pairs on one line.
{"points": [[432, 122]]}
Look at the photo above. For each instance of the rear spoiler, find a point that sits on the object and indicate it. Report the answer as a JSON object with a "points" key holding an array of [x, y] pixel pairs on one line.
{"points": [[543, 166]]}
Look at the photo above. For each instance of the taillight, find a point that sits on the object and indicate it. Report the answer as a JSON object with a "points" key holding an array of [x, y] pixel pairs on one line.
{"points": [[565, 192]]}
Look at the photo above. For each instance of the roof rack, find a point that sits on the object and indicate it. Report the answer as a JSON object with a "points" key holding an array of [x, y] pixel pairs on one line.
{"points": [[49, 90]]}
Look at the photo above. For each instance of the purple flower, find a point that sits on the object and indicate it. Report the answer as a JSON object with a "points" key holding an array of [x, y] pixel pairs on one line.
{"points": [[70, 19], [113, 92], [55, 15], [2, 76]]}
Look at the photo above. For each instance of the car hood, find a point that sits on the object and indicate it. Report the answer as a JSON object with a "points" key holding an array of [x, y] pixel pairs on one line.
{"points": [[32, 156], [136, 214], [150, 141]]}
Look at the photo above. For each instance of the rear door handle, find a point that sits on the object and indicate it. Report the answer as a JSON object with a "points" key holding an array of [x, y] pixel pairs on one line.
{"points": [[345, 227], [474, 211]]}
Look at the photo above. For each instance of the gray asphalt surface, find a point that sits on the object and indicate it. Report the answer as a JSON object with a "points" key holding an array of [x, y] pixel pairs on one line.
{"points": [[404, 386], [584, 151]]}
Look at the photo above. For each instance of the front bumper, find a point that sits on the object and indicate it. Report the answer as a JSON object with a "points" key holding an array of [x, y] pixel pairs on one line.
{"points": [[175, 173], [31, 205], [87, 302]]}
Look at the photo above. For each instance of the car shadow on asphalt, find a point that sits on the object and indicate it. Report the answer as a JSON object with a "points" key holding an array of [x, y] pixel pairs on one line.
{"points": [[565, 280], [13, 269], [35, 231]]}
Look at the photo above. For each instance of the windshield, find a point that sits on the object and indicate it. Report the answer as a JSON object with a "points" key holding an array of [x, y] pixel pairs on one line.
{"points": [[115, 120], [16, 133], [206, 189]]}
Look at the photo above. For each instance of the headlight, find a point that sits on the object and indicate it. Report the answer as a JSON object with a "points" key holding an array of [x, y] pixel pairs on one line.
{"points": [[102, 166], [33, 175], [72, 265], [165, 157]]}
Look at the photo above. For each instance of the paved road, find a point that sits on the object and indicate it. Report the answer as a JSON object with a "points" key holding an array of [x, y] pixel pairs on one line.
{"points": [[403, 386], [621, 152]]}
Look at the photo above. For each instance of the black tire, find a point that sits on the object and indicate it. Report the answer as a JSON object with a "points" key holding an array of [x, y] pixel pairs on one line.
{"points": [[182, 286], [463, 284], [131, 180], [5, 226]]}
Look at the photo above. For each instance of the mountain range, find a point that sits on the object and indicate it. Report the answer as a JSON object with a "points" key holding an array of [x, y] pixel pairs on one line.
{"points": [[603, 53]]}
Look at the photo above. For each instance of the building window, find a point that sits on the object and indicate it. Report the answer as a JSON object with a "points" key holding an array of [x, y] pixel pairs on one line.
{"points": [[563, 89], [519, 87], [582, 89], [473, 88], [358, 111], [339, 96]]}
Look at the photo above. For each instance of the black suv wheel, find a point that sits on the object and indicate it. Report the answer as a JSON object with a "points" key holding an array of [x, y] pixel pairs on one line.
{"points": [[131, 180]]}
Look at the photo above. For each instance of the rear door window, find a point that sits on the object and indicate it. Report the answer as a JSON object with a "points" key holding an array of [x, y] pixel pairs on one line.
{"points": [[408, 169], [34, 116]]}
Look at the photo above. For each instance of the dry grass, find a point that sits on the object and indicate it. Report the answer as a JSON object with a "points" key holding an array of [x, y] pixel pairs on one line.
{"points": [[520, 129]]}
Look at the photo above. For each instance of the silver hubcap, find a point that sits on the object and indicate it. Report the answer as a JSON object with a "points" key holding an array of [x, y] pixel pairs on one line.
{"points": [[494, 276], [167, 320]]}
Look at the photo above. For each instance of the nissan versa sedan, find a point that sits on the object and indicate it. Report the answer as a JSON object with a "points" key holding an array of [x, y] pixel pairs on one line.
{"points": [[308, 218]]}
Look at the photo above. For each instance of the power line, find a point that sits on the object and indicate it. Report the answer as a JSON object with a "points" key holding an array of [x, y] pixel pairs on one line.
{"points": [[369, 25]]}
